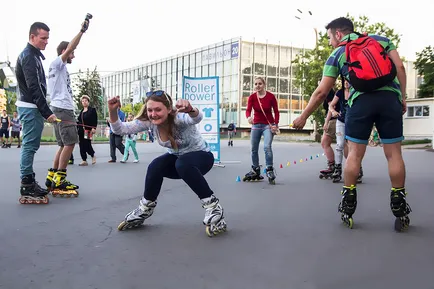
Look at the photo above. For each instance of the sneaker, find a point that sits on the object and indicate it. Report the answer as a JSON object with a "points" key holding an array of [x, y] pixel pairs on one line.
{"points": [[122, 161], [111, 161], [93, 160], [83, 164], [136, 161]]}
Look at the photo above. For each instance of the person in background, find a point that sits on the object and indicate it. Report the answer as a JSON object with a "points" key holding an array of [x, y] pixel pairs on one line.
{"points": [[263, 124], [87, 122], [16, 129], [130, 141], [4, 129]]}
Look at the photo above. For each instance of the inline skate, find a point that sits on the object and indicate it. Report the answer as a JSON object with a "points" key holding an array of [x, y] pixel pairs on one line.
{"points": [[337, 174], [253, 175], [271, 175], [31, 192], [400, 209], [328, 172], [214, 219], [360, 176], [63, 187], [137, 217], [348, 205]]}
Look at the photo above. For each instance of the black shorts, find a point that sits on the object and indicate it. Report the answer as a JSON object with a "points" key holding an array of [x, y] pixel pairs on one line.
{"points": [[382, 108], [15, 134], [4, 132]]}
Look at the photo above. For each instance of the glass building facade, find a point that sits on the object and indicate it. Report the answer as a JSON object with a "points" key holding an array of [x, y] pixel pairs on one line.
{"points": [[235, 61]]}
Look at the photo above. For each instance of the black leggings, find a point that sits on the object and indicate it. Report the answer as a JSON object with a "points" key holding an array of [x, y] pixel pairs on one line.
{"points": [[191, 167]]}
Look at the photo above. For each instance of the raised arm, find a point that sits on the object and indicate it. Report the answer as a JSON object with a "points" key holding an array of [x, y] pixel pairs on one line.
{"points": [[74, 42], [124, 128]]}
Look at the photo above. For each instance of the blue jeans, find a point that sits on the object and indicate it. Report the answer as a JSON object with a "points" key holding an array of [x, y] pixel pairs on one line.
{"points": [[33, 124], [191, 167], [255, 138]]}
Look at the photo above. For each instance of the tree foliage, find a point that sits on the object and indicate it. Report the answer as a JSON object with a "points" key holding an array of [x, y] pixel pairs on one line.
{"points": [[425, 65], [89, 83], [309, 66], [12, 99], [130, 108]]}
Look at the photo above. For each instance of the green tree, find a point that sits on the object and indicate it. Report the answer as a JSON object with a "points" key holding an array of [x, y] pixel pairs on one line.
{"points": [[309, 66], [12, 98], [89, 84], [130, 108], [425, 65]]}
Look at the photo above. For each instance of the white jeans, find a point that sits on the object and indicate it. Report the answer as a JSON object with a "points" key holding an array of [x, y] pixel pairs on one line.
{"points": [[340, 141]]}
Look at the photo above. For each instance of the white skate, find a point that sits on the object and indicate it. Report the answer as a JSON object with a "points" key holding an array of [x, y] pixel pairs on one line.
{"points": [[137, 217], [214, 220]]}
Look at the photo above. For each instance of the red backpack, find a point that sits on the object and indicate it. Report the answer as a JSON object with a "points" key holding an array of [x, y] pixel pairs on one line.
{"points": [[369, 66]]}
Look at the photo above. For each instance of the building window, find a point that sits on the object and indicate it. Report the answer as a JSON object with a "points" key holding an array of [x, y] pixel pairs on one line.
{"points": [[418, 111]]}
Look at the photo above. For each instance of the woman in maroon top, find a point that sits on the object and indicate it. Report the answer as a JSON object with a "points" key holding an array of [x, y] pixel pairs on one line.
{"points": [[263, 124]]}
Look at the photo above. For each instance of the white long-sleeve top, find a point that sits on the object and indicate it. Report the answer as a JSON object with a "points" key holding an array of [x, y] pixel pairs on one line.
{"points": [[185, 133]]}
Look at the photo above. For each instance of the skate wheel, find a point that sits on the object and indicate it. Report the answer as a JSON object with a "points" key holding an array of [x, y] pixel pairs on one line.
{"points": [[209, 232], [22, 201], [350, 223], [321, 177], [122, 225], [37, 201], [45, 200], [402, 224]]}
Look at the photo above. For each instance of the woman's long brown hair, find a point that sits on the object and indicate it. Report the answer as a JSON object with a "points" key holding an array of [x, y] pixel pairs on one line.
{"points": [[167, 101]]}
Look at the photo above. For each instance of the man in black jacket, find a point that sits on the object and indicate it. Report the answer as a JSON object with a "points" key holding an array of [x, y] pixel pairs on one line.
{"points": [[32, 108]]}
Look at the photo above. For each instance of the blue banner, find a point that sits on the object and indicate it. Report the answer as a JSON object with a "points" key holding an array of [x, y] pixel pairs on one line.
{"points": [[203, 93]]}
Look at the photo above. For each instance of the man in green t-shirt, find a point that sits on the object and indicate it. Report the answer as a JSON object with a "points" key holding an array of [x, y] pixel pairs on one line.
{"points": [[383, 106]]}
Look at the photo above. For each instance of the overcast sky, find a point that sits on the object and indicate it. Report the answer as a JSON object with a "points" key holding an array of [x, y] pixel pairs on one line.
{"points": [[129, 33]]}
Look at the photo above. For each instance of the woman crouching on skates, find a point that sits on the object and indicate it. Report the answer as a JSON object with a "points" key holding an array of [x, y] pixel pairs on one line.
{"points": [[188, 157]]}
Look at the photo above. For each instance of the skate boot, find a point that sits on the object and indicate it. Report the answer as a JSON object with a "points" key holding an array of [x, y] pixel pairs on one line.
{"points": [[63, 187], [348, 205], [214, 220], [328, 172], [229, 143], [337, 174], [8, 145], [31, 192], [232, 143], [400, 209], [360, 176], [271, 175], [49, 181], [136, 217], [253, 175]]}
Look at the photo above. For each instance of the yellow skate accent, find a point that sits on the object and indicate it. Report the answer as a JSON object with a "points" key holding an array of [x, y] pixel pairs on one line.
{"points": [[64, 193]]}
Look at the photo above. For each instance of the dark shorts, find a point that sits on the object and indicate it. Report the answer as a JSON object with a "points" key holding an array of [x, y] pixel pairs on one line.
{"points": [[15, 134], [4, 132], [381, 108]]}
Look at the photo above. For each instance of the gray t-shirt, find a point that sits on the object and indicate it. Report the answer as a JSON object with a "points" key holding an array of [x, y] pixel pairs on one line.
{"points": [[16, 125]]}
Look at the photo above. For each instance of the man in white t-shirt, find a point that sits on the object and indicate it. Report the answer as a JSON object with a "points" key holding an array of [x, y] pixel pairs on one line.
{"points": [[62, 105]]}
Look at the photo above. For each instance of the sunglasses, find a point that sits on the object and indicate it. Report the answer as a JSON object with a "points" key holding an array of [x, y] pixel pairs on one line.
{"points": [[158, 93]]}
